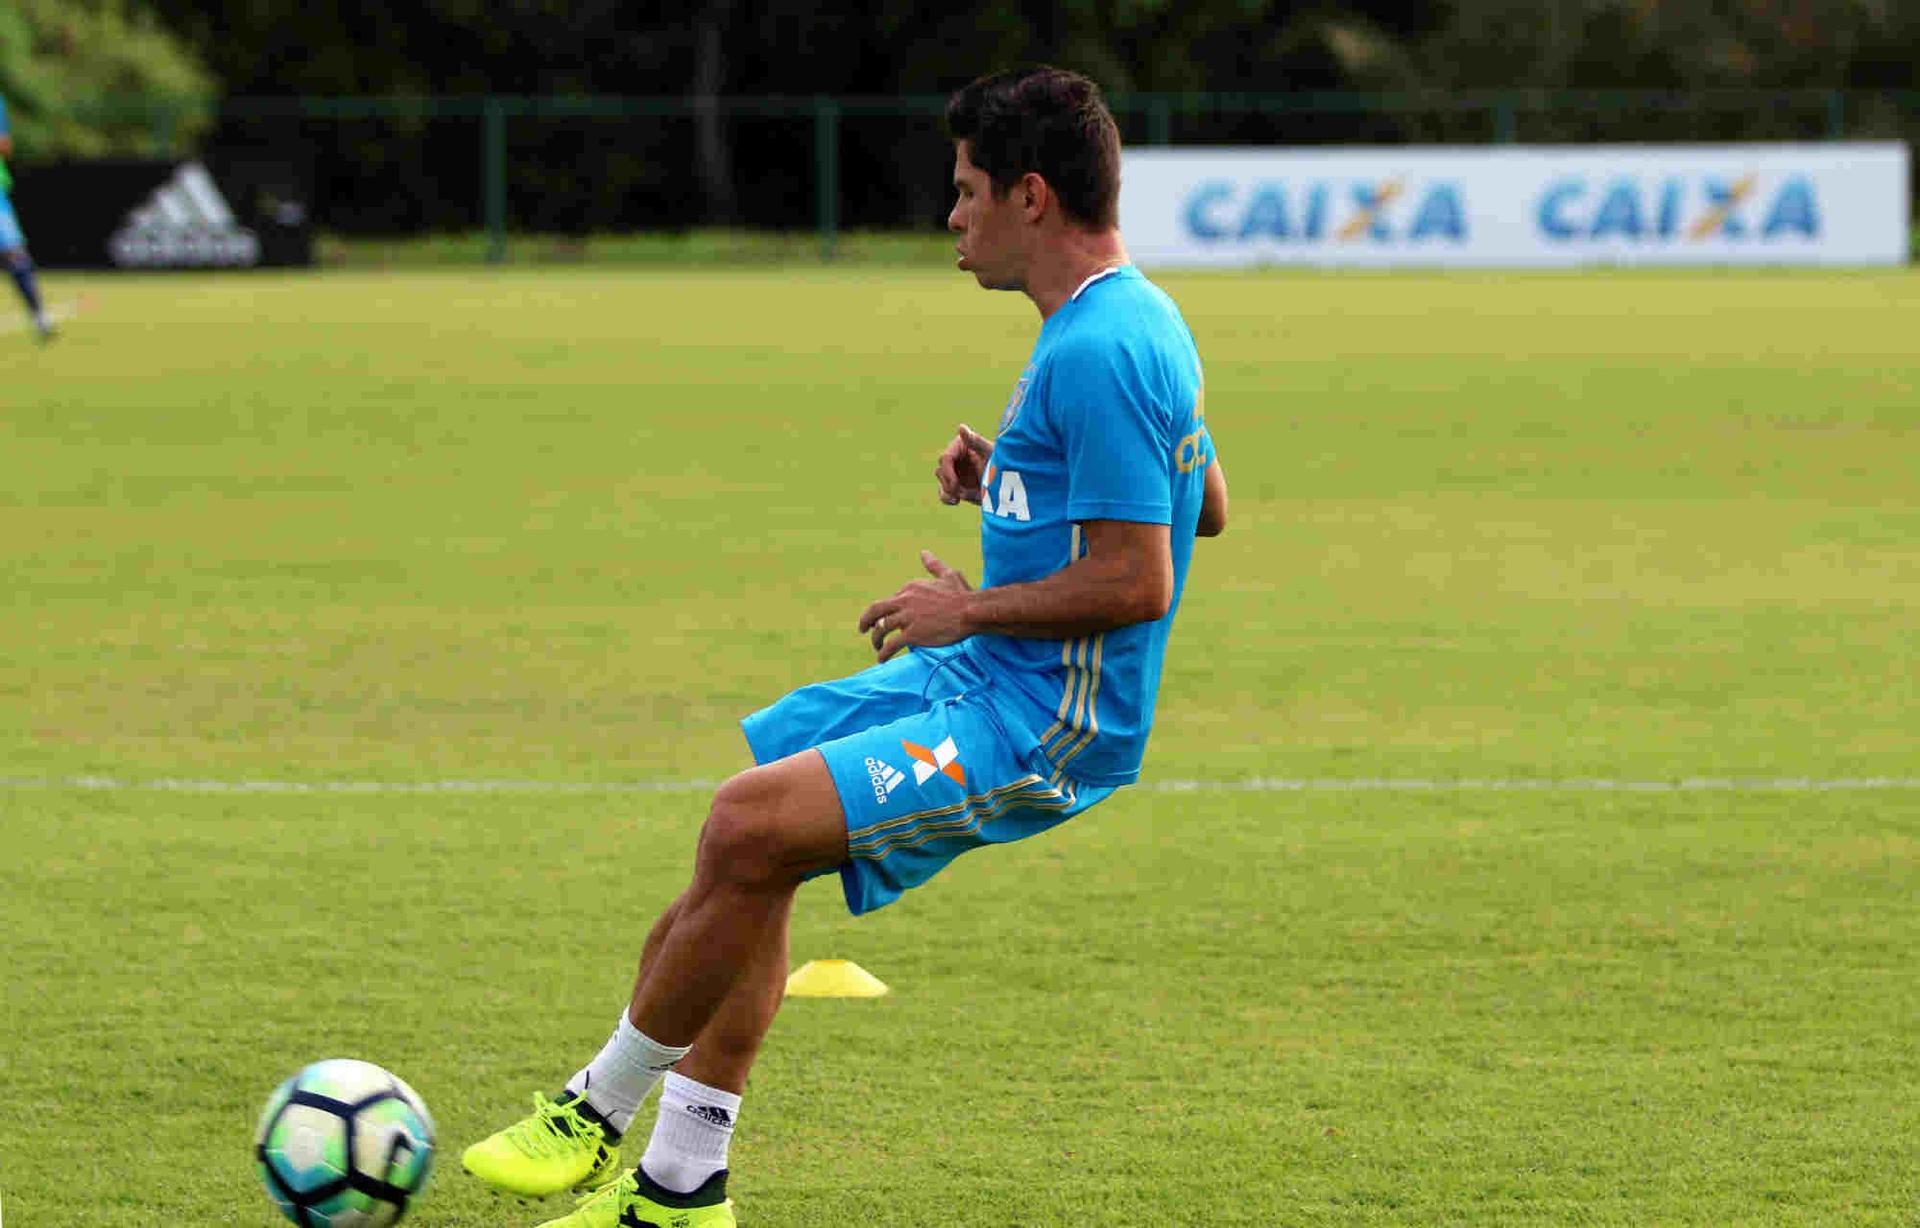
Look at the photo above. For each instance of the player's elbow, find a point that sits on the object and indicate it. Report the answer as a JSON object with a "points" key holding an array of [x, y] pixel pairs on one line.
{"points": [[1150, 596], [1213, 504]]}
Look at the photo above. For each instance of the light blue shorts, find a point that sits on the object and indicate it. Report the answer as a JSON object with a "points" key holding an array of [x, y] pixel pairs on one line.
{"points": [[10, 236], [930, 758]]}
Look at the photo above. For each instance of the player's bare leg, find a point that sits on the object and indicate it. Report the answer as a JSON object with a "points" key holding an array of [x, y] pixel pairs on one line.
{"points": [[767, 830], [19, 266], [700, 1098], [725, 1051], [656, 936], [724, 1054], [716, 957], [714, 964]]}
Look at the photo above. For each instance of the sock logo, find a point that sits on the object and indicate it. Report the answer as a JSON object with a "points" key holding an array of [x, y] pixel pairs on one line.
{"points": [[712, 1114]]}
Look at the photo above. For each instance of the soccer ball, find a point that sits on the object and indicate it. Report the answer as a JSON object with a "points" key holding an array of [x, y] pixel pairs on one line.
{"points": [[344, 1144]]}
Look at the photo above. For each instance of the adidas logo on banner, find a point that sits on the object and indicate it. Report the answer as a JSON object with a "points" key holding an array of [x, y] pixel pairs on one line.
{"points": [[185, 222], [885, 777]]}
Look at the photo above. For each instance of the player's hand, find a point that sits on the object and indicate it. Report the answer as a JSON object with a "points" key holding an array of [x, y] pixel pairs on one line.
{"points": [[923, 614], [962, 464]]}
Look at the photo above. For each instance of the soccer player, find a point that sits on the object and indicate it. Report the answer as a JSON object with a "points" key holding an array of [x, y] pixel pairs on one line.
{"points": [[13, 244], [1023, 703]]}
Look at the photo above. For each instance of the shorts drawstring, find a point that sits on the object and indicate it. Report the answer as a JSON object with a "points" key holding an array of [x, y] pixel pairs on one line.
{"points": [[933, 673]]}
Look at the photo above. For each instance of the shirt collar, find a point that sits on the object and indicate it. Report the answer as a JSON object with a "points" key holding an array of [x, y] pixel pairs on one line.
{"points": [[1109, 271]]}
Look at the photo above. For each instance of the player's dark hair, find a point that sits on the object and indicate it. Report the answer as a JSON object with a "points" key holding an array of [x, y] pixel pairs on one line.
{"points": [[1052, 123]]}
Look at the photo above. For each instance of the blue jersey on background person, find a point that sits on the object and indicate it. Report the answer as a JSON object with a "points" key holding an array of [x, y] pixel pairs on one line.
{"points": [[13, 244]]}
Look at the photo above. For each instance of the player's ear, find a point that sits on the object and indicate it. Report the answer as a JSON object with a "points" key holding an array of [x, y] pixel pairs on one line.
{"points": [[1034, 196]]}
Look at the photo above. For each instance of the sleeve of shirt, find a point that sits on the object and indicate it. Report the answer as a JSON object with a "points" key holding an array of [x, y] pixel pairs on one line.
{"points": [[4, 131], [1114, 437]]}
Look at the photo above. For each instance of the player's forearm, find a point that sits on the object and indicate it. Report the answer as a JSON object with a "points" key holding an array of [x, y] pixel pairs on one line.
{"points": [[1085, 598]]}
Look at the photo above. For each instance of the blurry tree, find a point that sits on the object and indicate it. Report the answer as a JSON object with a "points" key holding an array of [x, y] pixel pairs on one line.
{"points": [[711, 162], [67, 68], [1688, 48], [1888, 55], [1664, 44]]}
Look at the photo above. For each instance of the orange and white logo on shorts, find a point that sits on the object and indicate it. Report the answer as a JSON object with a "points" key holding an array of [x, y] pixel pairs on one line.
{"points": [[942, 758]]}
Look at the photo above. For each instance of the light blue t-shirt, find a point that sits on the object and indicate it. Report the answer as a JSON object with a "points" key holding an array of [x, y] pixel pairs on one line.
{"points": [[1105, 424]]}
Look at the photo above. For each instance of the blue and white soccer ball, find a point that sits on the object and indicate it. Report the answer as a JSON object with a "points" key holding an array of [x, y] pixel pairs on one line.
{"points": [[344, 1144]]}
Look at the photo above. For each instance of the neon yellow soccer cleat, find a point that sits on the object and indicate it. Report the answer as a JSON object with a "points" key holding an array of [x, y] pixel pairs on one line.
{"points": [[562, 1145], [635, 1202]]}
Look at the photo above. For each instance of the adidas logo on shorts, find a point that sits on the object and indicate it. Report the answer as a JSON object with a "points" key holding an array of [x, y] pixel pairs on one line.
{"points": [[885, 777]]}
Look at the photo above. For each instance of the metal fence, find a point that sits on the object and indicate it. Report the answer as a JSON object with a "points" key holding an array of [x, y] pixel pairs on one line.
{"points": [[512, 165]]}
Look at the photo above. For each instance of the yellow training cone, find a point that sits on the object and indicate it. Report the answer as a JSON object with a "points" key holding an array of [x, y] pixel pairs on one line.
{"points": [[833, 978]]}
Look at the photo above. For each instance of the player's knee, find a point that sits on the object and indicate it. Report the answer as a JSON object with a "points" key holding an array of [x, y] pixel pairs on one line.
{"points": [[742, 840]]}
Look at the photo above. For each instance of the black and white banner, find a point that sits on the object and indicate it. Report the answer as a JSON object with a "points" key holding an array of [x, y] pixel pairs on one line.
{"points": [[214, 214]]}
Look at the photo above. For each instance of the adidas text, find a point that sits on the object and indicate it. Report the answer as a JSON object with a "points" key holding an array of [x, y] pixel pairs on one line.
{"points": [[885, 778]]}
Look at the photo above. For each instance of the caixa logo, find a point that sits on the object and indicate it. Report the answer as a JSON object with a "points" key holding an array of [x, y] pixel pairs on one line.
{"points": [[1684, 209], [1383, 211]]}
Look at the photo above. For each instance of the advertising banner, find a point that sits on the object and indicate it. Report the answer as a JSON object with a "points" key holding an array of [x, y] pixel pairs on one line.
{"points": [[140, 214], [1518, 206]]}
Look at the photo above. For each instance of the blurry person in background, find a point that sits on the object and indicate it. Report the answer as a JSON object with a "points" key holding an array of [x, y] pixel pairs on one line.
{"points": [[13, 244]]}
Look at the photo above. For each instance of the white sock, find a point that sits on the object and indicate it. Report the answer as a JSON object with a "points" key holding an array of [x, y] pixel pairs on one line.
{"points": [[690, 1135], [619, 1078]]}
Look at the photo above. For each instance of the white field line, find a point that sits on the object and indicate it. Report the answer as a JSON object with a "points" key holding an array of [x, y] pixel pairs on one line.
{"points": [[1690, 784]]}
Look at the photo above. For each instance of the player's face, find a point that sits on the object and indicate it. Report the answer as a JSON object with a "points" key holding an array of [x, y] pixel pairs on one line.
{"points": [[988, 228]]}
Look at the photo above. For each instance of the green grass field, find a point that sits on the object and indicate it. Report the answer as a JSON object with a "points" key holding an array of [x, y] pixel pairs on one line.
{"points": [[1571, 540]]}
